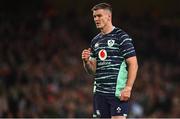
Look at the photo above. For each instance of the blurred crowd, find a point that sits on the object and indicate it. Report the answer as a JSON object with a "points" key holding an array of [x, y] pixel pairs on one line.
{"points": [[41, 72]]}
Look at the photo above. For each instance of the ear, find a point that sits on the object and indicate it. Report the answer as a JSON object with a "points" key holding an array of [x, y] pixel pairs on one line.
{"points": [[109, 16]]}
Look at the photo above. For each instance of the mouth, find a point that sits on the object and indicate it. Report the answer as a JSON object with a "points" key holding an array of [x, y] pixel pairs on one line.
{"points": [[97, 24]]}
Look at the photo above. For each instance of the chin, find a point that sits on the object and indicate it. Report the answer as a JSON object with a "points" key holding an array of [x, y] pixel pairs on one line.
{"points": [[99, 27]]}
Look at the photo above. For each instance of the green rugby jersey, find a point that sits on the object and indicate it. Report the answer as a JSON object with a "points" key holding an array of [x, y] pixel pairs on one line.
{"points": [[110, 51]]}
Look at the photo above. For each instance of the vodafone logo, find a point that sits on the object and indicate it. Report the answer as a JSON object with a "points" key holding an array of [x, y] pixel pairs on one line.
{"points": [[102, 54]]}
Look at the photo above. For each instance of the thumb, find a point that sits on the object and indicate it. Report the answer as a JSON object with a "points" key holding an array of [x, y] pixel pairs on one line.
{"points": [[89, 49]]}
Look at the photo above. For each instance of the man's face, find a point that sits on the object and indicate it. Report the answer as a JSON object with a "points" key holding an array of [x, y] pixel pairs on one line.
{"points": [[101, 18]]}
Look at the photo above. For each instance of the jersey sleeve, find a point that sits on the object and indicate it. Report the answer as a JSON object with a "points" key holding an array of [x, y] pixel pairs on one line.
{"points": [[126, 47], [93, 56]]}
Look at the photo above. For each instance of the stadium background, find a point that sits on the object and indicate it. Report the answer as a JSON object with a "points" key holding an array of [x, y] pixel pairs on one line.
{"points": [[41, 73]]}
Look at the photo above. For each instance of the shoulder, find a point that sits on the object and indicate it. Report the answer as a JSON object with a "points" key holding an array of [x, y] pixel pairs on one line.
{"points": [[121, 35]]}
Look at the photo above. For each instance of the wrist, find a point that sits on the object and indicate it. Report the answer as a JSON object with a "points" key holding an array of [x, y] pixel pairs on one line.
{"points": [[129, 87], [86, 62]]}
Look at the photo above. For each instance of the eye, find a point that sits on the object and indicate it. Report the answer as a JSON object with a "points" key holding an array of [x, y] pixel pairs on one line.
{"points": [[99, 15]]}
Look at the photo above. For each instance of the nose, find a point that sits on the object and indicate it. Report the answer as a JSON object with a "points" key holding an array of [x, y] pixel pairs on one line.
{"points": [[95, 18]]}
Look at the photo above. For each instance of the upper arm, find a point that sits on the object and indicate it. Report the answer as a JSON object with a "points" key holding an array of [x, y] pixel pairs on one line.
{"points": [[132, 60]]}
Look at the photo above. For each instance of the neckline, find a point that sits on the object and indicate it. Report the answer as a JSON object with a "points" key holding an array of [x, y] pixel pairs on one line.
{"points": [[113, 28]]}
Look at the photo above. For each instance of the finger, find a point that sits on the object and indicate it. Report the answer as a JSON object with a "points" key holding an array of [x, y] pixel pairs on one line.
{"points": [[124, 98], [89, 49], [86, 52], [85, 55], [121, 97], [126, 95]]}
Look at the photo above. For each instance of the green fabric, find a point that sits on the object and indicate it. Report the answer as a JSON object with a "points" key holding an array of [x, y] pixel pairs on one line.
{"points": [[121, 79]]}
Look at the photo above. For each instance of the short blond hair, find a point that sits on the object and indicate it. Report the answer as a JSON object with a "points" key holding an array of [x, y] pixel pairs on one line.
{"points": [[102, 6]]}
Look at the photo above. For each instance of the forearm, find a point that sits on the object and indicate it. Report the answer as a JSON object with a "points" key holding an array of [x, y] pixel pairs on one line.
{"points": [[132, 72], [90, 67]]}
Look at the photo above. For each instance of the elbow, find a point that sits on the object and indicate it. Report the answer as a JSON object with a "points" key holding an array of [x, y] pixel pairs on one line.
{"points": [[137, 66]]}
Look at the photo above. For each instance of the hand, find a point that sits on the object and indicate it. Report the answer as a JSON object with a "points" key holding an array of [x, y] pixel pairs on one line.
{"points": [[86, 54], [125, 93]]}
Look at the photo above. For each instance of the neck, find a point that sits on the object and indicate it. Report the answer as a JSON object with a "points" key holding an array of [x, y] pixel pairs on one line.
{"points": [[107, 29]]}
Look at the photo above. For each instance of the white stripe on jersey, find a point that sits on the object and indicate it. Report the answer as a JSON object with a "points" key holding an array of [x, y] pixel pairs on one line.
{"points": [[124, 35], [129, 52], [107, 88], [109, 83], [113, 69], [118, 31], [104, 77], [115, 57], [128, 49], [114, 48], [105, 91], [108, 66], [127, 39]]}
